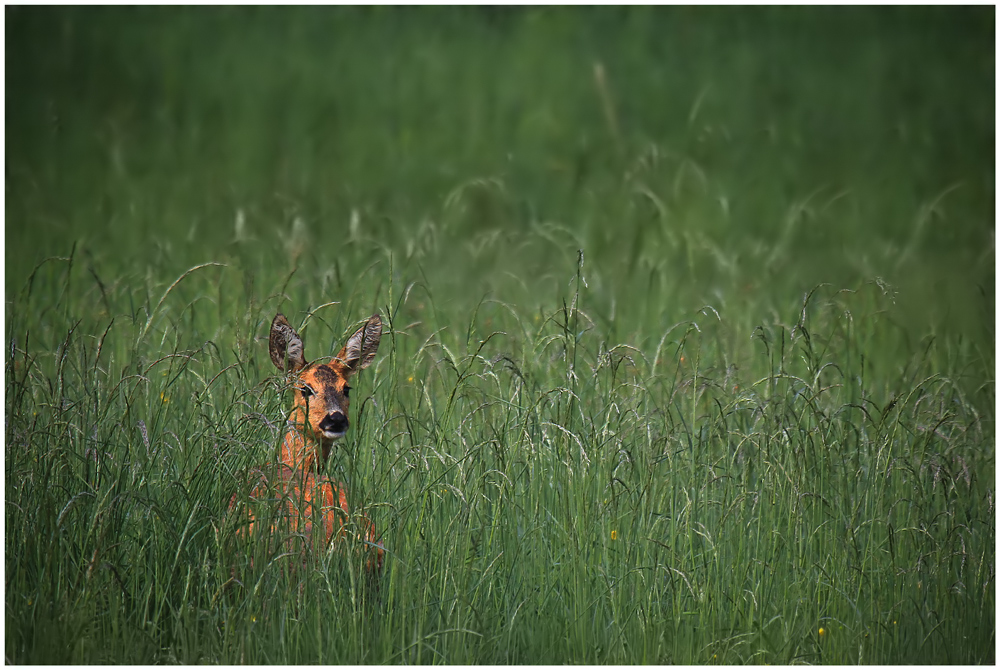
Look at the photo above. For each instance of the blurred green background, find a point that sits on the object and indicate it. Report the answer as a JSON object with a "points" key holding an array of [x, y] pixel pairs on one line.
{"points": [[762, 149]]}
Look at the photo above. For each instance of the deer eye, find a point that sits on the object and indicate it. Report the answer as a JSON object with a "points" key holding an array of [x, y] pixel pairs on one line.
{"points": [[347, 391], [307, 391]]}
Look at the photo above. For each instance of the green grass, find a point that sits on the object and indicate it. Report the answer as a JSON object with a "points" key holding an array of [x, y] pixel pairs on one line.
{"points": [[689, 348]]}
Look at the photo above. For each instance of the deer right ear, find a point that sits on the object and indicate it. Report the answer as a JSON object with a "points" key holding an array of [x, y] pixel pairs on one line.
{"points": [[360, 349], [285, 344]]}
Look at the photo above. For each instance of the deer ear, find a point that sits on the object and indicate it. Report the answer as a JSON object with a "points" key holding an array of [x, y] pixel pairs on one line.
{"points": [[362, 346], [285, 345]]}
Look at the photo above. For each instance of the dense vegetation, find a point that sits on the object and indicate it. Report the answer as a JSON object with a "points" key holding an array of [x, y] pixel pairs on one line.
{"points": [[689, 343]]}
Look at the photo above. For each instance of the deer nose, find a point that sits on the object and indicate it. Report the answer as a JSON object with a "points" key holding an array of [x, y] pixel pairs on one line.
{"points": [[335, 422]]}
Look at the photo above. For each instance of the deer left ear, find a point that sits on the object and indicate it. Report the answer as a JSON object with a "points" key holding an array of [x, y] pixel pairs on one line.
{"points": [[362, 346], [285, 345]]}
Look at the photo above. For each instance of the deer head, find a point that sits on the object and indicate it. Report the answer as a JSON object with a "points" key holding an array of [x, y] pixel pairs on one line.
{"points": [[322, 392]]}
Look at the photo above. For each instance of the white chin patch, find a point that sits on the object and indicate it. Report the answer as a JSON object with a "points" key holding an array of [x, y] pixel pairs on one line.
{"points": [[332, 436]]}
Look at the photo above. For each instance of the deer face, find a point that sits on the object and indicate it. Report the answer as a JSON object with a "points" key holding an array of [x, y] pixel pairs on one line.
{"points": [[322, 391]]}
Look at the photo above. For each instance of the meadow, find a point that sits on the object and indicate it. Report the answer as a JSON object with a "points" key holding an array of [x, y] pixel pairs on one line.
{"points": [[688, 353]]}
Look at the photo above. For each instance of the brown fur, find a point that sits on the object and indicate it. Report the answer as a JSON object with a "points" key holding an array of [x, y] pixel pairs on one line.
{"points": [[306, 494]]}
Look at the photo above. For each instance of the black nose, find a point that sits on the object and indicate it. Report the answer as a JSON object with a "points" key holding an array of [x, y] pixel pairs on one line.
{"points": [[334, 423]]}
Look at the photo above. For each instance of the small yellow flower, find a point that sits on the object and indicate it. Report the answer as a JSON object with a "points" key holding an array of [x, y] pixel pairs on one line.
{"points": [[253, 619], [164, 398], [410, 379], [614, 535], [822, 631]]}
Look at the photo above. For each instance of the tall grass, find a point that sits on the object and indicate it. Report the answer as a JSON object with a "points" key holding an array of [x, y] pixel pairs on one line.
{"points": [[682, 364]]}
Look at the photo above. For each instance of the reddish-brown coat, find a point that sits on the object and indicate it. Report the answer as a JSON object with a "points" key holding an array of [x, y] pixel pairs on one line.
{"points": [[317, 419]]}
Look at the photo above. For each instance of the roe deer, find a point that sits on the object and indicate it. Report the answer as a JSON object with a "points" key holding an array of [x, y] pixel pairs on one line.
{"points": [[317, 419]]}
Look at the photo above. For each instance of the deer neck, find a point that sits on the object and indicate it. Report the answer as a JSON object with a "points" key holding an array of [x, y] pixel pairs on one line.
{"points": [[300, 450]]}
